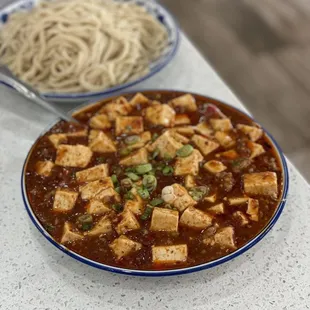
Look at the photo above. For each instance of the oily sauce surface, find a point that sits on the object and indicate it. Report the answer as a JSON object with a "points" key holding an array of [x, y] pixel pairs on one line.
{"points": [[41, 191]]}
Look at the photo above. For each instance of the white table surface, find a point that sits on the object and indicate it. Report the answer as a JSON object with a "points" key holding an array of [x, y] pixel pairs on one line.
{"points": [[35, 275]]}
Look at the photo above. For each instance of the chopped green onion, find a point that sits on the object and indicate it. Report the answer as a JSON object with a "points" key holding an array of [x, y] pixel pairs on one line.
{"points": [[128, 128], [147, 213], [185, 150], [130, 169], [49, 227], [117, 170], [155, 136], [118, 189], [155, 153], [156, 202], [132, 139], [199, 192], [100, 160], [127, 183], [86, 226], [142, 169], [167, 157], [85, 222], [143, 193], [117, 207], [167, 170], [129, 196], [133, 176], [125, 151], [149, 182], [114, 179]]}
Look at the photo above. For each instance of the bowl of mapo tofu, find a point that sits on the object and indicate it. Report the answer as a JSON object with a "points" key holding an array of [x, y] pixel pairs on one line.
{"points": [[155, 183]]}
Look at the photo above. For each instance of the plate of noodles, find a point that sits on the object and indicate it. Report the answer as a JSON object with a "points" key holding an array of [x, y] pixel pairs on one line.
{"points": [[75, 50]]}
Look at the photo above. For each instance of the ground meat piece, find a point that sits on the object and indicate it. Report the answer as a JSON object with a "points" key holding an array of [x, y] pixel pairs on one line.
{"points": [[271, 163], [226, 180], [240, 164], [242, 148]]}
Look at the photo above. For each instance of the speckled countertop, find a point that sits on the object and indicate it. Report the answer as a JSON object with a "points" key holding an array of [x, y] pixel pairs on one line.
{"points": [[275, 274]]}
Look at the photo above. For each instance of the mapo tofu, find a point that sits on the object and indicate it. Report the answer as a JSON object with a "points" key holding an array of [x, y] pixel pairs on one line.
{"points": [[158, 180]]}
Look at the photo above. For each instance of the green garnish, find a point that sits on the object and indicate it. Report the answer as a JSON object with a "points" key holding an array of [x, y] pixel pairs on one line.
{"points": [[155, 153], [142, 169], [149, 182], [85, 222], [199, 192], [143, 193], [185, 150], [118, 189], [129, 196], [114, 179], [167, 170], [49, 227], [126, 183], [155, 136], [117, 207], [147, 213], [133, 176], [100, 160], [156, 202], [128, 128], [125, 151], [132, 140]]}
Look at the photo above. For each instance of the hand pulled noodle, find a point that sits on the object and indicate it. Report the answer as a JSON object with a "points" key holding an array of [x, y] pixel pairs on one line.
{"points": [[80, 46]]}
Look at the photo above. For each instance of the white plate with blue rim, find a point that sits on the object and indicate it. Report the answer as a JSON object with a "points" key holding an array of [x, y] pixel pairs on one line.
{"points": [[155, 9]]}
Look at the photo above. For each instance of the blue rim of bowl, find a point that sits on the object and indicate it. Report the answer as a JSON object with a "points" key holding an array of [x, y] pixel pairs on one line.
{"points": [[171, 272], [117, 88]]}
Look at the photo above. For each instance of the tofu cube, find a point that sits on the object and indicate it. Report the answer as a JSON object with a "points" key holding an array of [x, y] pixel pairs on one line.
{"points": [[128, 223], [212, 198], [235, 201], [44, 168], [164, 220], [184, 130], [195, 218], [98, 172], [64, 200], [231, 154], [134, 205], [104, 226], [169, 254], [108, 195], [186, 103], [182, 119], [92, 189], [68, 235], [178, 137], [139, 99], [143, 139], [204, 129], [123, 246], [214, 166], [189, 181], [224, 238], [241, 218], [166, 145], [57, 139], [253, 209], [100, 121], [205, 145], [224, 139], [160, 114], [128, 125], [217, 209], [223, 124], [177, 196], [261, 183], [256, 149], [254, 133], [100, 142], [119, 106], [97, 207], [137, 158], [73, 155], [80, 133], [188, 165]]}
